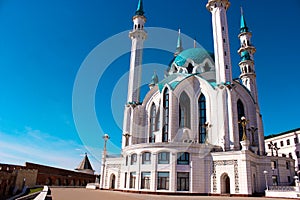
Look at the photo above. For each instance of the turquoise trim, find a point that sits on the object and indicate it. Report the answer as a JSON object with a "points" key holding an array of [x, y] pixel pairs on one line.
{"points": [[173, 80], [243, 28], [140, 10], [245, 56]]}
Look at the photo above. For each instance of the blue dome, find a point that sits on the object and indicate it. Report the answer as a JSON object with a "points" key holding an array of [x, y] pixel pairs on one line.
{"points": [[197, 55]]}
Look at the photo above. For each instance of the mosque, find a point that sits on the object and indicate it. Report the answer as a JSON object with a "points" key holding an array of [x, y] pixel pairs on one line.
{"points": [[198, 130]]}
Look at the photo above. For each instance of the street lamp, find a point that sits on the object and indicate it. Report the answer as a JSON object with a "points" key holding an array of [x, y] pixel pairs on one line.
{"points": [[244, 123], [265, 173], [106, 138]]}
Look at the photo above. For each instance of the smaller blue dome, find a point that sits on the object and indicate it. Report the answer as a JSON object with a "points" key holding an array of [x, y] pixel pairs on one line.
{"points": [[196, 54]]}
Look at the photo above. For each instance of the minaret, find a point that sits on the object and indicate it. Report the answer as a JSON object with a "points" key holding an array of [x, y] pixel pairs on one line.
{"points": [[218, 10], [154, 80], [246, 52], [137, 35], [179, 47]]}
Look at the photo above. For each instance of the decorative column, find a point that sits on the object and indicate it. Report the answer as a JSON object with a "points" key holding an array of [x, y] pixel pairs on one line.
{"points": [[104, 152]]}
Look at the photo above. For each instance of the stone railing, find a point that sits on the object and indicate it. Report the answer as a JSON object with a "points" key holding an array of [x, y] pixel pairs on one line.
{"points": [[282, 188]]}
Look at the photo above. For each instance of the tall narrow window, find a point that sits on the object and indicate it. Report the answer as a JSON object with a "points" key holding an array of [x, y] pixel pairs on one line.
{"points": [[183, 181], [166, 105], [241, 113], [163, 180], [152, 123], [133, 159], [132, 179], [125, 180], [145, 180], [296, 141], [202, 118], [184, 111]]}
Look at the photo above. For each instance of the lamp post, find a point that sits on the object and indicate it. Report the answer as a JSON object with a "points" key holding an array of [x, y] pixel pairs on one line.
{"points": [[106, 138], [244, 123], [265, 173]]}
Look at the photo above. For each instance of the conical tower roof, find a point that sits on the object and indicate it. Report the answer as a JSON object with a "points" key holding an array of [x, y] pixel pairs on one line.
{"points": [[85, 164]]}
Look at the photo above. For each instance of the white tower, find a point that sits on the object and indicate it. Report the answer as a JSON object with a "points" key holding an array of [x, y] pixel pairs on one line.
{"points": [[246, 52], [137, 35], [218, 10]]}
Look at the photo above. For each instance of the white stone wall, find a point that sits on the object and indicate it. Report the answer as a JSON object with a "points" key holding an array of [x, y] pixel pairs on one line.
{"points": [[286, 149]]}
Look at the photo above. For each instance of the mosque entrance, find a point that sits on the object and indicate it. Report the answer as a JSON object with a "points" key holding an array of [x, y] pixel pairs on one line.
{"points": [[112, 181], [225, 184]]}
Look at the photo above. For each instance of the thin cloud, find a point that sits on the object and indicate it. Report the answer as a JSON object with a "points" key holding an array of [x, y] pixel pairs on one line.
{"points": [[39, 147]]}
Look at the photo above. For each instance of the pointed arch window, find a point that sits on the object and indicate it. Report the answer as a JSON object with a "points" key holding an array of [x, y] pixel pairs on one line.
{"points": [[184, 111], [166, 106], [152, 123], [202, 118], [241, 113]]}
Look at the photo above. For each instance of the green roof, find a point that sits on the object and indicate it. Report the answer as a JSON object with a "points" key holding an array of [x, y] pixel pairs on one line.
{"points": [[140, 10], [244, 27]]}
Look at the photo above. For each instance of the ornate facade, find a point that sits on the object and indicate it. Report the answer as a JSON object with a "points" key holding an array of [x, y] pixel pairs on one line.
{"points": [[198, 130]]}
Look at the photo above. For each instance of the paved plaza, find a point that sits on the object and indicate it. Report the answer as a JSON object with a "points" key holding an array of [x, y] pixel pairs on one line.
{"points": [[84, 194]]}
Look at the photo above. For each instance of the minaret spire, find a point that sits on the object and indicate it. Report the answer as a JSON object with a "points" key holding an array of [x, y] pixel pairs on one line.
{"points": [[140, 9], [179, 47], [246, 51], [243, 27], [138, 35]]}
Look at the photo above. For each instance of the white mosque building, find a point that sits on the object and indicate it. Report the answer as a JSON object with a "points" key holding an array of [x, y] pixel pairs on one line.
{"points": [[198, 130]]}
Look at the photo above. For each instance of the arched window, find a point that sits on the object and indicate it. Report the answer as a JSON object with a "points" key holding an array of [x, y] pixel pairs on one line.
{"points": [[202, 118], [164, 158], [133, 159], [184, 111], [152, 123], [165, 135], [157, 120], [146, 158], [241, 113], [183, 158]]}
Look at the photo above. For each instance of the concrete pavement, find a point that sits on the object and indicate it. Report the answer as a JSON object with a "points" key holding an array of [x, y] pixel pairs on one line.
{"points": [[85, 194]]}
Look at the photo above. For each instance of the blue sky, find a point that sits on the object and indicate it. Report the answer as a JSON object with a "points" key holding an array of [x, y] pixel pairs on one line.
{"points": [[43, 45]]}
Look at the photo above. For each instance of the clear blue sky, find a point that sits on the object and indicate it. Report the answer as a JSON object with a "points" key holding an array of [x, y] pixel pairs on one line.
{"points": [[44, 43]]}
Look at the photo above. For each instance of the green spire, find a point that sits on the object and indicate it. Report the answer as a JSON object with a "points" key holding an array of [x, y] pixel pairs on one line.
{"points": [[244, 27], [154, 79], [140, 10], [179, 44]]}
